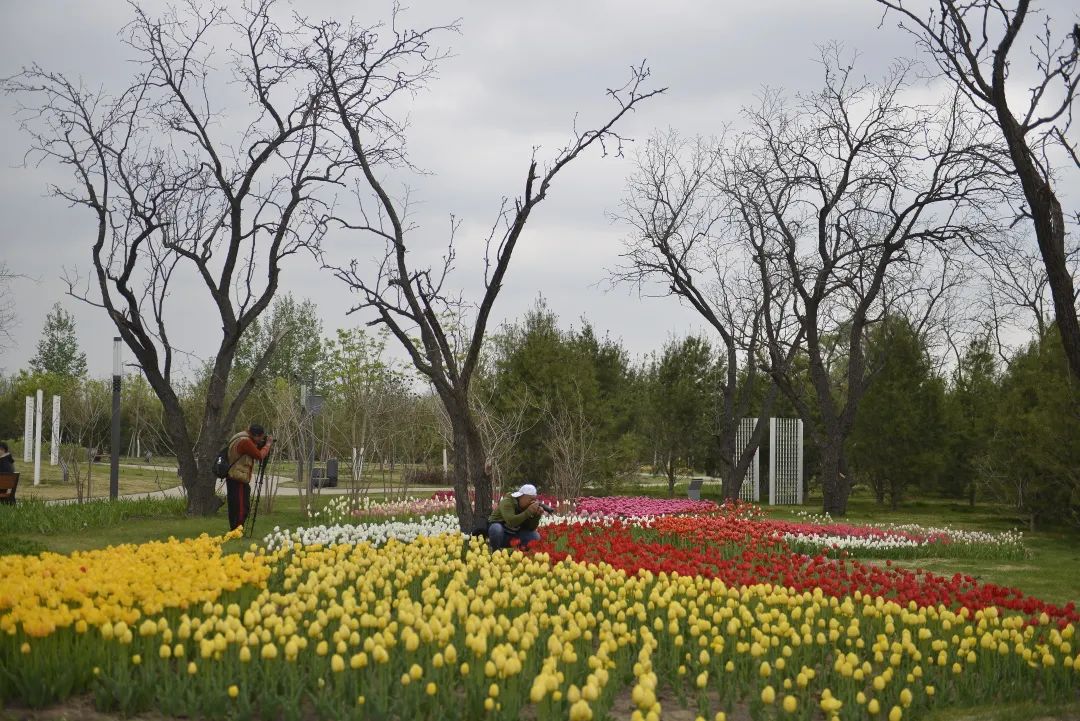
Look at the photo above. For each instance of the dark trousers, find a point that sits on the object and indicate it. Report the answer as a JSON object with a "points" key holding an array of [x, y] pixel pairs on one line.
{"points": [[499, 536], [238, 494]]}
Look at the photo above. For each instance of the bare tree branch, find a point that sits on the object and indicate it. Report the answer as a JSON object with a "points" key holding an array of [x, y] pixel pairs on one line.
{"points": [[411, 302]]}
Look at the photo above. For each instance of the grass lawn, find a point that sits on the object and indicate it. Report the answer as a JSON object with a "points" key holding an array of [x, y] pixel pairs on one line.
{"points": [[132, 480], [1009, 712], [285, 513]]}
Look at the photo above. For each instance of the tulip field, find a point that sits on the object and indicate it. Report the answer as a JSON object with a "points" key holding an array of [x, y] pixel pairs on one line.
{"points": [[629, 608]]}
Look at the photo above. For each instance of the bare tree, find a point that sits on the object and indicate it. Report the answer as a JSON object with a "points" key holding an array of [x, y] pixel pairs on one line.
{"points": [[974, 43], [849, 190], [407, 299], [174, 195], [571, 443], [84, 412], [7, 304], [289, 422], [684, 243], [500, 431]]}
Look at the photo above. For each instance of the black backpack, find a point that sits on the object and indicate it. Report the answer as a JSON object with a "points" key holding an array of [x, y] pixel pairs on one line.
{"points": [[222, 465]]}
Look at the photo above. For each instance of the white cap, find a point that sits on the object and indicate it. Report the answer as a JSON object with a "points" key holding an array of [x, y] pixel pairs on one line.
{"points": [[527, 490]]}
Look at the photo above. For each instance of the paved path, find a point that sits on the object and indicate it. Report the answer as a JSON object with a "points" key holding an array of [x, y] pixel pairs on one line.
{"points": [[281, 490]]}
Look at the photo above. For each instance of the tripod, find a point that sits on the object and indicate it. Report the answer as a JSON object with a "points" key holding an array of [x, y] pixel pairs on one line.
{"points": [[258, 495]]}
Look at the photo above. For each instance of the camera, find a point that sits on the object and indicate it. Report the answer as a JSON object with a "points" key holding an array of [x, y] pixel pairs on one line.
{"points": [[546, 507]]}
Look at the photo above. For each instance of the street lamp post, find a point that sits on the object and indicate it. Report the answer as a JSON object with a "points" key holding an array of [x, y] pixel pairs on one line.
{"points": [[315, 403], [114, 466]]}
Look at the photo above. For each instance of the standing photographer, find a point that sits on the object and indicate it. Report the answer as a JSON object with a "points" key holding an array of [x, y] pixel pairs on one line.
{"points": [[517, 516], [245, 448]]}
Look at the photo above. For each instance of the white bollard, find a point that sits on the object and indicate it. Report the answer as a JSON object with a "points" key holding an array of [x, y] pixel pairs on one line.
{"points": [[54, 444], [28, 431], [38, 413]]}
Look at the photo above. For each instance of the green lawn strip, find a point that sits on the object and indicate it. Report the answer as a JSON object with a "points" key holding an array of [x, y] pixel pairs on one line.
{"points": [[1047, 574], [285, 513], [131, 481], [141, 530], [1009, 712]]}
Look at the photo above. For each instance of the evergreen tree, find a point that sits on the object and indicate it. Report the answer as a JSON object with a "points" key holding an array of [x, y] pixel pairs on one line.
{"points": [[58, 350], [683, 398], [545, 373], [970, 409], [538, 366], [1031, 462], [616, 413], [898, 439]]}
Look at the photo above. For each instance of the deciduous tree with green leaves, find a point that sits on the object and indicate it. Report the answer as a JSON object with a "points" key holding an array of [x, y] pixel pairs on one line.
{"points": [[290, 336], [58, 350]]}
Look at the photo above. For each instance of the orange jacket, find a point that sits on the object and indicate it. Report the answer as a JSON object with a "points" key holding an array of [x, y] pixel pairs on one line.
{"points": [[242, 456]]}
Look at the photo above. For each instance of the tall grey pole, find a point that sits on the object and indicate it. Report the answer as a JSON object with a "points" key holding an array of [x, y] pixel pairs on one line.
{"points": [[312, 402], [114, 465], [301, 452]]}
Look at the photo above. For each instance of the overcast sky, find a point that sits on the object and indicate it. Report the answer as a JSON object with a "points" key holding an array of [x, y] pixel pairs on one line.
{"points": [[519, 74]]}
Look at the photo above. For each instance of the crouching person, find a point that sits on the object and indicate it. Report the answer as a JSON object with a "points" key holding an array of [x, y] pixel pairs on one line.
{"points": [[517, 516]]}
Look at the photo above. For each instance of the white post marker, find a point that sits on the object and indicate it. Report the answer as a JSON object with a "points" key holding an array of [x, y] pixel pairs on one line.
{"points": [[28, 431], [54, 444], [774, 452], [445, 468], [785, 461], [751, 487], [38, 413]]}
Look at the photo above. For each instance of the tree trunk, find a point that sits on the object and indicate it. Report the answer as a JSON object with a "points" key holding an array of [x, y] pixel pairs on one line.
{"points": [[731, 479], [460, 456], [1049, 221], [835, 485], [195, 464], [481, 483], [671, 475], [468, 473], [737, 474]]}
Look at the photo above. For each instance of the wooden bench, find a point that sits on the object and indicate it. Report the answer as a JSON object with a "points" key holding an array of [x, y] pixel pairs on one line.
{"points": [[9, 482], [694, 491]]}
